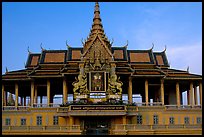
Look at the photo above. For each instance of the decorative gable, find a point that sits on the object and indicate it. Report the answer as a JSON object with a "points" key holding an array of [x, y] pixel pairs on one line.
{"points": [[97, 50]]}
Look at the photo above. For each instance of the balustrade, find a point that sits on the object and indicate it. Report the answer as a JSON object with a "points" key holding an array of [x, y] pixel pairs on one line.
{"points": [[42, 128], [131, 127]]}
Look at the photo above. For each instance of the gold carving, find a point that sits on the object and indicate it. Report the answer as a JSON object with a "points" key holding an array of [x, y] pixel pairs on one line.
{"points": [[113, 85], [80, 84]]}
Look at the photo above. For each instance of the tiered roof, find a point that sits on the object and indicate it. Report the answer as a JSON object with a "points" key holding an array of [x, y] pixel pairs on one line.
{"points": [[56, 63]]}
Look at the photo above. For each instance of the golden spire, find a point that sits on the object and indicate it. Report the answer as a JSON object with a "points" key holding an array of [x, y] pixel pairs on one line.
{"points": [[97, 28], [97, 20]]}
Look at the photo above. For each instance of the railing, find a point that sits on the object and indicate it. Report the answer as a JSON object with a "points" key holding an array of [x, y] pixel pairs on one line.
{"points": [[25, 108], [46, 105], [197, 106], [154, 103], [183, 107], [41, 128], [171, 106], [186, 106], [13, 108], [133, 127], [132, 107], [148, 104], [62, 109]]}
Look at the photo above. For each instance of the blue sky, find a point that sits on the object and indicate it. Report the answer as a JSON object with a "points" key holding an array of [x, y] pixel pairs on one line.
{"points": [[176, 25]]}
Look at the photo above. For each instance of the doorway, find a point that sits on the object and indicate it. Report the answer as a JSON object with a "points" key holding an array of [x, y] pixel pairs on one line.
{"points": [[96, 125]]}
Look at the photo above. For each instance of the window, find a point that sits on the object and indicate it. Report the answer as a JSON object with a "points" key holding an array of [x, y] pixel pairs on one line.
{"points": [[39, 120], [199, 120], [186, 120], [55, 120], [23, 121], [156, 119], [171, 120], [139, 119], [8, 122]]}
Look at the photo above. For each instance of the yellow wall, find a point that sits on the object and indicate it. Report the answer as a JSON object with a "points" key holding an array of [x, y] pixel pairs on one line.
{"points": [[147, 117]]}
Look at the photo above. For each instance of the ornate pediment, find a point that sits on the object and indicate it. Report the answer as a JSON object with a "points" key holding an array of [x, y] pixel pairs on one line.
{"points": [[97, 80], [97, 50]]}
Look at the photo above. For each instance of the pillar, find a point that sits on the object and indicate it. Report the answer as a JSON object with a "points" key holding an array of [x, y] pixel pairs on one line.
{"points": [[192, 102], [24, 100], [146, 92], [188, 97], [195, 95], [48, 92], [3, 96], [130, 90], [200, 92], [16, 94], [51, 98], [178, 95], [64, 91], [32, 93], [36, 95], [124, 120], [162, 91], [40, 99], [21, 100], [71, 120]]}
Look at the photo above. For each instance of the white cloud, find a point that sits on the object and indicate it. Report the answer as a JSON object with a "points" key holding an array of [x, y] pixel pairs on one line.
{"points": [[182, 56]]}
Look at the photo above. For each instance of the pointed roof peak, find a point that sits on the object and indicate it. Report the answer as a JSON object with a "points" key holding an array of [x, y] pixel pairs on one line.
{"points": [[97, 28], [96, 7], [97, 18]]}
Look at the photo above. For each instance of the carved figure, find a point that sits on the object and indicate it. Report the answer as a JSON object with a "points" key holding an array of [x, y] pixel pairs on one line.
{"points": [[113, 84], [80, 84]]}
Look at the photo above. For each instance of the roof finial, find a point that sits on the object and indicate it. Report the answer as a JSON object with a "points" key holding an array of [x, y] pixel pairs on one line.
{"points": [[96, 7], [41, 46], [152, 46], [164, 49], [67, 44], [82, 41], [28, 50], [6, 70], [112, 41], [188, 69], [127, 43]]}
